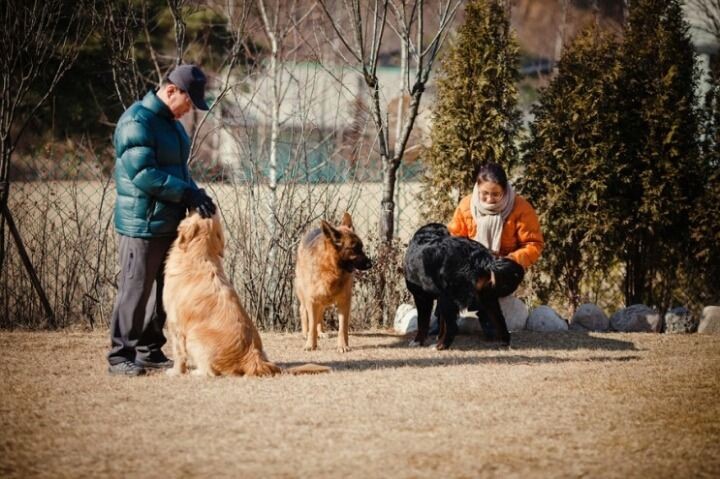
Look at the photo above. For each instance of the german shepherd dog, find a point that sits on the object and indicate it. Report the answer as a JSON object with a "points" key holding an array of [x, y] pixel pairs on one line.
{"points": [[205, 318], [458, 273], [326, 259]]}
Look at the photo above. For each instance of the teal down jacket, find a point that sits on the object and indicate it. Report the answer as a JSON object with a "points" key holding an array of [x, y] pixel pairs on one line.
{"points": [[151, 171]]}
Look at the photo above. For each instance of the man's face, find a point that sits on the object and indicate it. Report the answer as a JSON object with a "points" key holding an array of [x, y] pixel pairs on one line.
{"points": [[178, 101]]}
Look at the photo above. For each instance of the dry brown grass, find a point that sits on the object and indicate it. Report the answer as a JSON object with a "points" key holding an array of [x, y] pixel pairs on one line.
{"points": [[559, 405]]}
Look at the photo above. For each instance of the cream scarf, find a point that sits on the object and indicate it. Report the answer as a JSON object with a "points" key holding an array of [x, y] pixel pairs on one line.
{"points": [[491, 218]]}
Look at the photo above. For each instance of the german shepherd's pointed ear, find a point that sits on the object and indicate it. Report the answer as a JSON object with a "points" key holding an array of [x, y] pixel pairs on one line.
{"points": [[330, 232], [347, 221], [186, 233]]}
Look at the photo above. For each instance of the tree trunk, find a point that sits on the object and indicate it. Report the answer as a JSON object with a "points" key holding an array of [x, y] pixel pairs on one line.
{"points": [[273, 179], [387, 205]]}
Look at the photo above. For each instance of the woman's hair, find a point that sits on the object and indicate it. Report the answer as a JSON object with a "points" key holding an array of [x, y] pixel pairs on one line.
{"points": [[492, 172]]}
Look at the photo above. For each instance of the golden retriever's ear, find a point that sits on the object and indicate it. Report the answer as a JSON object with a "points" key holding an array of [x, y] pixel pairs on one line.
{"points": [[330, 232], [186, 233], [347, 220]]}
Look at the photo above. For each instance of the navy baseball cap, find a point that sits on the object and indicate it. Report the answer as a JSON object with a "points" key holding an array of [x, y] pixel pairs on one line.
{"points": [[192, 80]]}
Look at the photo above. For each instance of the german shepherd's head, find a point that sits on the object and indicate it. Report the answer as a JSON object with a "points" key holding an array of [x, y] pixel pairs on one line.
{"points": [[347, 244]]}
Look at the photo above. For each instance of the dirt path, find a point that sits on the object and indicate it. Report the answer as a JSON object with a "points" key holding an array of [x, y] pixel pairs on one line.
{"points": [[560, 405]]}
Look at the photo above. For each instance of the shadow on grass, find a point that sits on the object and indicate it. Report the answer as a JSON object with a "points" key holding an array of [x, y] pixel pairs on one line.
{"points": [[522, 342], [565, 341], [445, 360]]}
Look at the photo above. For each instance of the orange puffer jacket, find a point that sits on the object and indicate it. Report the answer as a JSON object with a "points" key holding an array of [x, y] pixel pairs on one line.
{"points": [[521, 238]]}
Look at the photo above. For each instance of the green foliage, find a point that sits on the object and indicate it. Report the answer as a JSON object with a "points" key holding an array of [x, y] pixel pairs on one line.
{"points": [[566, 168], [86, 100], [476, 117], [704, 268], [657, 170], [613, 165]]}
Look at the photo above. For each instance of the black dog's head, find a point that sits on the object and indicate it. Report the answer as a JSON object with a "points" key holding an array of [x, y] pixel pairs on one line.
{"points": [[348, 245], [480, 264]]}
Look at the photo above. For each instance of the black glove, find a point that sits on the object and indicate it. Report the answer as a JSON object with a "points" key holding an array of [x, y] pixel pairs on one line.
{"points": [[200, 201]]}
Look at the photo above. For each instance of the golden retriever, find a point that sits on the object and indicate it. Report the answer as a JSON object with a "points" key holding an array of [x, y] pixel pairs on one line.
{"points": [[206, 321]]}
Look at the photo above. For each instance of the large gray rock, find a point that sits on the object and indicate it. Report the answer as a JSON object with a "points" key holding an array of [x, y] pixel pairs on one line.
{"points": [[636, 318], [515, 312], [589, 317], [545, 319], [680, 320], [405, 319], [710, 322]]}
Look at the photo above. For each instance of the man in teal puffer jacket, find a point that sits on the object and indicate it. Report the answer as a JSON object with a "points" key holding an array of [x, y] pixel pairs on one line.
{"points": [[154, 191]]}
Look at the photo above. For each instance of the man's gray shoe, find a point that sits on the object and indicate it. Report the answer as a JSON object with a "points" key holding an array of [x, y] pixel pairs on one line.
{"points": [[160, 363], [126, 368]]}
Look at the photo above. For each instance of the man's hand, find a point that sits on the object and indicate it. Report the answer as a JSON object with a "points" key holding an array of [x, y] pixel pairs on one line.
{"points": [[200, 201]]}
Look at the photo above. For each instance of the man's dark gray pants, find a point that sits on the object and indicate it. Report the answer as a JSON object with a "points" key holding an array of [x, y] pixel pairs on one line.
{"points": [[138, 316]]}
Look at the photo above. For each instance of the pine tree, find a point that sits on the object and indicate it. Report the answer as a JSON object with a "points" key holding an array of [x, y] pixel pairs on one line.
{"points": [[704, 268], [568, 168], [476, 117], [657, 163]]}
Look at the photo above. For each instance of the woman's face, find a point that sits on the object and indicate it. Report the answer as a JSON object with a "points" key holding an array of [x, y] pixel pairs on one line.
{"points": [[490, 192]]}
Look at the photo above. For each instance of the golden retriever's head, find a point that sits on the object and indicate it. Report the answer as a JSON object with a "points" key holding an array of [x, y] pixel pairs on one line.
{"points": [[201, 235]]}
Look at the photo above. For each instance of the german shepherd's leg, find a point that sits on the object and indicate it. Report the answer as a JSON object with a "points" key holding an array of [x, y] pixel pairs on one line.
{"points": [[447, 315], [321, 328], [303, 319], [314, 312], [343, 306], [424, 304]]}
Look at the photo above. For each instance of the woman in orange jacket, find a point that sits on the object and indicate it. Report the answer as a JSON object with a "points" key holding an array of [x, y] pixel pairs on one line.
{"points": [[504, 222]]}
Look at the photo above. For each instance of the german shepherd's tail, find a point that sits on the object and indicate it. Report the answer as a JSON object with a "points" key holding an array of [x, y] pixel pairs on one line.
{"points": [[309, 368]]}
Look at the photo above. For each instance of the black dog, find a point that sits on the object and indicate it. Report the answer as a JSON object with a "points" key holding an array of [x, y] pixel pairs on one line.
{"points": [[458, 273]]}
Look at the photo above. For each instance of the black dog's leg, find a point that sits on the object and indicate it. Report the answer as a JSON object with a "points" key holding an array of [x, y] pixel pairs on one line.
{"points": [[423, 303], [447, 316], [488, 329], [491, 307]]}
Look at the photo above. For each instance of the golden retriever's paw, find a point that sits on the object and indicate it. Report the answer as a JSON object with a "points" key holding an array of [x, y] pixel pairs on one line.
{"points": [[343, 349], [309, 347], [173, 372]]}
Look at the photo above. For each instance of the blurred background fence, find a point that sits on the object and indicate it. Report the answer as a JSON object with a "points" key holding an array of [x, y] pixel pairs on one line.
{"points": [[63, 203]]}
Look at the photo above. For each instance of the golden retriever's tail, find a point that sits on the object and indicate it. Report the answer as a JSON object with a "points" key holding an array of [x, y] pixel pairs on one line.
{"points": [[256, 365], [307, 369]]}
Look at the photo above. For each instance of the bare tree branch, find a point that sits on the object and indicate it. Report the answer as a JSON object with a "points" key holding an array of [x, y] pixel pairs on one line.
{"points": [[176, 7], [708, 16]]}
